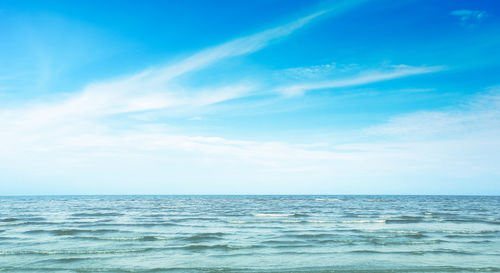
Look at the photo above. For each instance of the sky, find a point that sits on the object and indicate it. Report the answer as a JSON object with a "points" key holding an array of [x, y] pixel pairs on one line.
{"points": [[250, 97]]}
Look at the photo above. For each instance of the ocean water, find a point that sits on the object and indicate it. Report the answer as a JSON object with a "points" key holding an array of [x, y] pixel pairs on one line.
{"points": [[250, 234]]}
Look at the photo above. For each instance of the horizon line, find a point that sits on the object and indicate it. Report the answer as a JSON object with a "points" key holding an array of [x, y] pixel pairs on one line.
{"points": [[49, 195]]}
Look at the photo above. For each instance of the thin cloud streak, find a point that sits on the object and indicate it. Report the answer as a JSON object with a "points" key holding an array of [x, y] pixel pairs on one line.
{"points": [[151, 90], [237, 47], [365, 78]]}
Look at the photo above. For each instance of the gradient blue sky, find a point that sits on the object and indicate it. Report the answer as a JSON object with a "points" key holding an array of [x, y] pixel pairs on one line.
{"points": [[250, 97]]}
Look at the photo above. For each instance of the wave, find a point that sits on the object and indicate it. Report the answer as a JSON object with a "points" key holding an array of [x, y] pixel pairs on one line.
{"points": [[201, 237], [70, 231], [469, 221], [24, 219], [310, 235], [66, 260], [279, 215], [479, 242], [187, 219], [63, 232], [96, 214], [280, 242], [469, 232], [417, 252], [10, 219], [144, 224], [272, 214], [375, 221], [146, 238], [149, 238], [5, 238], [237, 222], [36, 231], [416, 236], [74, 252], [226, 247], [317, 221], [406, 243], [30, 223], [404, 221], [381, 200]]}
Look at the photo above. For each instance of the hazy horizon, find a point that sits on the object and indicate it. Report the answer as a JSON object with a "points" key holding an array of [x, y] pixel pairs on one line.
{"points": [[242, 195]]}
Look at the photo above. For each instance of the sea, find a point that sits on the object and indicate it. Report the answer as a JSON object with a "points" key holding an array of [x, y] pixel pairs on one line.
{"points": [[250, 233]]}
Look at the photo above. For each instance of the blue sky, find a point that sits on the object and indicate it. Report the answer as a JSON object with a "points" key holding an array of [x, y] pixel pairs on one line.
{"points": [[256, 97]]}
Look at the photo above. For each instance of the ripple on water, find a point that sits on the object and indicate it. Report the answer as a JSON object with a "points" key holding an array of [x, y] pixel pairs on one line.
{"points": [[96, 214], [262, 234]]}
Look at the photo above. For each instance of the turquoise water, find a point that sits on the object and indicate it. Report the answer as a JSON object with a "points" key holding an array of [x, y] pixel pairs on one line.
{"points": [[250, 234]]}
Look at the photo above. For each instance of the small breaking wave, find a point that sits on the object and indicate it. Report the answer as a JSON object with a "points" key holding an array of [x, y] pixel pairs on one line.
{"points": [[279, 215], [375, 221], [67, 260]]}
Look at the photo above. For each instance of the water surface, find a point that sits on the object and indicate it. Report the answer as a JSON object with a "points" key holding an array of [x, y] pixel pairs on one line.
{"points": [[250, 234]]}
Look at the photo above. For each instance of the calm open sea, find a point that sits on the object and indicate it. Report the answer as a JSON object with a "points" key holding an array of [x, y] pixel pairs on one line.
{"points": [[250, 234]]}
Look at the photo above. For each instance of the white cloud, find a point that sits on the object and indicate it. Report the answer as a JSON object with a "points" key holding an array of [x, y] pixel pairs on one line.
{"points": [[315, 71], [459, 144], [478, 115], [79, 123], [469, 17], [363, 78], [152, 89], [240, 46]]}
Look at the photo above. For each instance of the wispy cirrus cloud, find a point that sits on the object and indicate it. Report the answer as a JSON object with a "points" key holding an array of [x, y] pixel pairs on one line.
{"points": [[152, 88], [469, 17], [478, 115], [46, 123], [364, 77], [237, 47]]}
